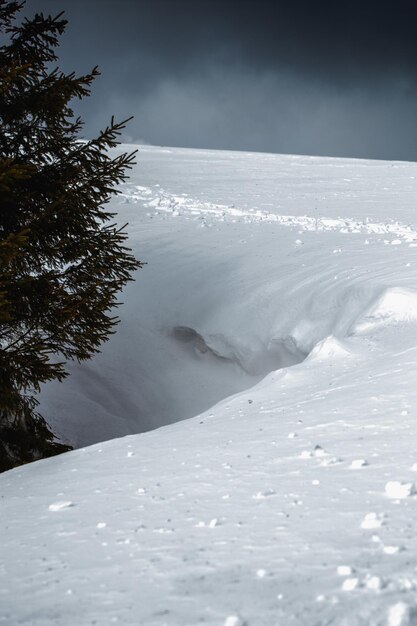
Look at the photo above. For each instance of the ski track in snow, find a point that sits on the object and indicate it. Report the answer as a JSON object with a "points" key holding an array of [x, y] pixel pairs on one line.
{"points": [[175, 205]]}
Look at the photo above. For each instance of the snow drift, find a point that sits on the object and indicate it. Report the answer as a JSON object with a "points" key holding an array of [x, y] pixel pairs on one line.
{"points": [[237, 264]]}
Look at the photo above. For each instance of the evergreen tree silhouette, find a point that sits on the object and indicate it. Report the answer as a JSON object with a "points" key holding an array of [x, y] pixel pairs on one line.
{"points": [[63, 260]]}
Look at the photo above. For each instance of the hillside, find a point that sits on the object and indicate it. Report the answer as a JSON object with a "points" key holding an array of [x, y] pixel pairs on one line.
{"points": [[277, 312]]}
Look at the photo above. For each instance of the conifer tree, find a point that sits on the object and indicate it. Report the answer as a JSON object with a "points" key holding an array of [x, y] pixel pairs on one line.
{"points": [[62, 258]]}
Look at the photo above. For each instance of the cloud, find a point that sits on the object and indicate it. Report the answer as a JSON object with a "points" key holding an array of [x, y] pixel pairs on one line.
{"points": [[302, 77], [273, 111]]}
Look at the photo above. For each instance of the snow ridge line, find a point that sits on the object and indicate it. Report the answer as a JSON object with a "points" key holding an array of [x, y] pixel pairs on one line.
{"points": [[163, 201]]}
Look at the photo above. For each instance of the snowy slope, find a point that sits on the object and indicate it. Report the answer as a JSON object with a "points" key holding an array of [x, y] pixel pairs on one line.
{"points": [[260, 255], [290, 282]]}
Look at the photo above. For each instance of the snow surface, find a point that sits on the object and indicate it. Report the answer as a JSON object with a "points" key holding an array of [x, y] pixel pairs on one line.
{"points": [[279, 305]]}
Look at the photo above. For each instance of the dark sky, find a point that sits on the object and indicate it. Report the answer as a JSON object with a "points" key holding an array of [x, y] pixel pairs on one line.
{"points": [[304, 77]]}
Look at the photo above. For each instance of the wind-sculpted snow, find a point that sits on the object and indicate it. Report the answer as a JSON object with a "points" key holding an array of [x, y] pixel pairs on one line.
{"points": [[329, 348], [288, 335], [274, 356], [394, 306]]}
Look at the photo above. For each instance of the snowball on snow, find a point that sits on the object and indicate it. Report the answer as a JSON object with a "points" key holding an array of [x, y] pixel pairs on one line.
{"points": [[398, 490]]}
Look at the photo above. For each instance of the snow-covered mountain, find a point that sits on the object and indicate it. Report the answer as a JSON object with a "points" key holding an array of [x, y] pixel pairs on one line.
{"points": [[279, 307]]}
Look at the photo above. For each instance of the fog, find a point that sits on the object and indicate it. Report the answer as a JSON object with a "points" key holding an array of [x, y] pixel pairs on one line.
{"points": [[267, 76]]}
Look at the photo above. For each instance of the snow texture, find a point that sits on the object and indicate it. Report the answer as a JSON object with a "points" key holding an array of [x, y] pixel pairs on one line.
{"points": [[278, 312]]}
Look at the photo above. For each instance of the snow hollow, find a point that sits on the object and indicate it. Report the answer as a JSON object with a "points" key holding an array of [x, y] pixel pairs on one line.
{"points": [[250, 265], [277, 311]]}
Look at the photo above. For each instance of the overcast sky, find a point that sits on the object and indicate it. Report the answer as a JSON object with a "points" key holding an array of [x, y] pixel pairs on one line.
{"points": [[303, 77]]}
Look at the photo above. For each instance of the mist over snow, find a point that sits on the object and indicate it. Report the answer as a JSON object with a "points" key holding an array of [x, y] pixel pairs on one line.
{"points": [[276, 109], [270, 347], [323, 78]]}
